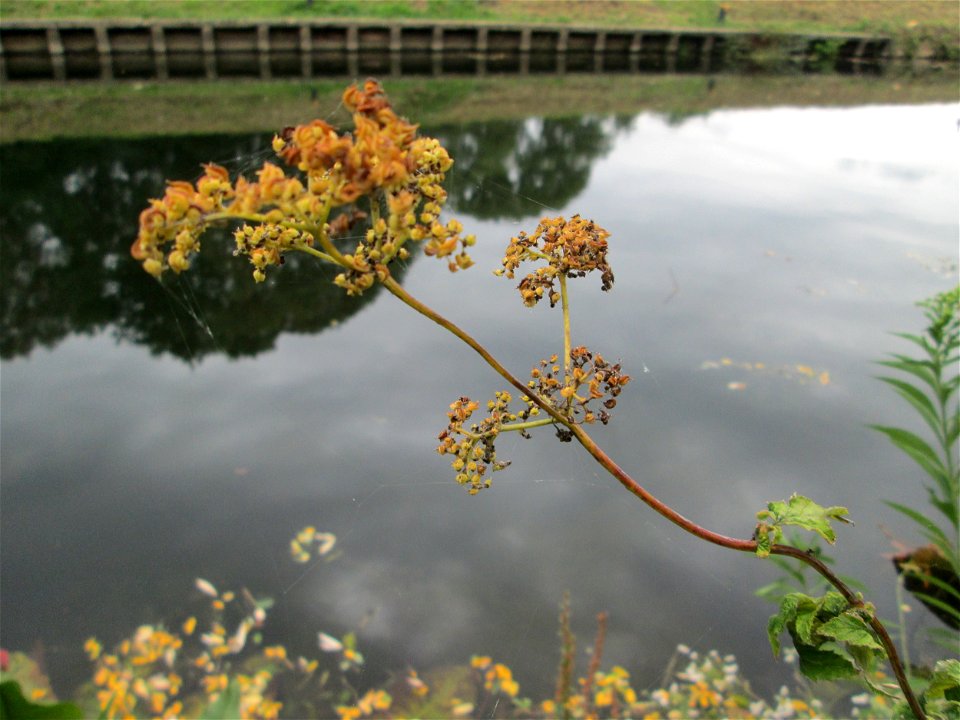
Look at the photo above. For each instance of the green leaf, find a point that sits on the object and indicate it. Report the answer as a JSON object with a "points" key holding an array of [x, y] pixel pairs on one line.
{"points": [[918, 370], [920, 402], [785, 615], [915, 339], [930, 530], [852, 629], [917, 449], [805, 513], [14, 706], [804, 623], [824, 662], [945, 682], [939, 604], [227, 706]]}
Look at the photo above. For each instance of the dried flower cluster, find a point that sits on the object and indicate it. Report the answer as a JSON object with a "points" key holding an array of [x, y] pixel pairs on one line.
{"points": [[474, 449], [383, 160], [571, 248], [590, 378]]}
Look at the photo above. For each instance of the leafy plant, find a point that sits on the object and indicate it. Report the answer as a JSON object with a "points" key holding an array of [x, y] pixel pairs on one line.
{"points": [[387, 178], [932, 572]]}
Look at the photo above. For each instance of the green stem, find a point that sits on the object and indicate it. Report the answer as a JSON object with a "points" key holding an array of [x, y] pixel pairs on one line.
{"points": [[513, 427], [657, 505]]}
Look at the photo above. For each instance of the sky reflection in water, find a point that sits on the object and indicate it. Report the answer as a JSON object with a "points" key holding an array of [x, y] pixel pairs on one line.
{"points": [[788, 237]]}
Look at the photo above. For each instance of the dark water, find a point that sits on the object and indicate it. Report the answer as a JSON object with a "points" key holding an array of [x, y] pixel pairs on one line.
{"points": [[154, 434]]}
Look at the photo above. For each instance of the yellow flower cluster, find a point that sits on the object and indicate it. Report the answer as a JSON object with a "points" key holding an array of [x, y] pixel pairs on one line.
{"points": [[474, 449], [571, 248], [138, 675], [178, 219], [373, 701], [306, 539], [613, 688], [266, 244], [590, 378], [148, 673], [382, 160], [497, 677]]}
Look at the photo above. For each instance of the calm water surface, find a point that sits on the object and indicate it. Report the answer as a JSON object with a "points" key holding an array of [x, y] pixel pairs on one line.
{"points": [[154, 434]]}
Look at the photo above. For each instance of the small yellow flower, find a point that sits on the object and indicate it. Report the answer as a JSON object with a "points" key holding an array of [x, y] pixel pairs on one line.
{"points": [[189, 625], [93, 648], [348, 712]]}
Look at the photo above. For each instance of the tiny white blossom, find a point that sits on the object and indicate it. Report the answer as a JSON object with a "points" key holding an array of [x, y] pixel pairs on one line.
{"points": [[329, 644], [206, 587]]}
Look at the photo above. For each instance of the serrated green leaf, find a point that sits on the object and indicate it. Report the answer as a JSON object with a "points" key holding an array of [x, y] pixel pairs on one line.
{"points": [[832, 604], [805, 513], [945, 680], [851, 629], [920, 402], [785, 615], [827, 662], [805, 621]]}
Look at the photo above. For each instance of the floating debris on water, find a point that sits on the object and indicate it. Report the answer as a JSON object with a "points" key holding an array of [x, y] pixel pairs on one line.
{"points": [[797, 371]]}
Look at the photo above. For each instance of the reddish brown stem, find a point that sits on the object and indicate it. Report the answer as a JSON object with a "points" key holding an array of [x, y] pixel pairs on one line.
{"points": [[660, 507]]}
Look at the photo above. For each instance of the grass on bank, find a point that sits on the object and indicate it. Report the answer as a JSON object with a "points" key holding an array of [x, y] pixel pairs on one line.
{"points": [[882, 16], [45, 111]]}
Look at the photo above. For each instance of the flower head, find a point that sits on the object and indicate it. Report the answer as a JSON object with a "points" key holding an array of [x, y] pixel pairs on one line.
{"points": [[570, 248]]}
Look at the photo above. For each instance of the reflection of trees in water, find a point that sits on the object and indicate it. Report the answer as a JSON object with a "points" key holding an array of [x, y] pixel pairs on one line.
{"points": [[69, 209], [67, 217], [513, 168]]}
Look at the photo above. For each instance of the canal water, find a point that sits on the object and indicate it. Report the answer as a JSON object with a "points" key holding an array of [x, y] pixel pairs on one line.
{"points": [[153, 434]]}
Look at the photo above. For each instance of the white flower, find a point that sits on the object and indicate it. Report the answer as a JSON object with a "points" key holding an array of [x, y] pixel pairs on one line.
{"points": [[328, 643], [661, 697], [325, 542], [861, 699], [211, 639], [239, 639], [206, 587]]}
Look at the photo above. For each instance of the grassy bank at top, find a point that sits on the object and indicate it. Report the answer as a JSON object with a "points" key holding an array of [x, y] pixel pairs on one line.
{"points": [[38, 112], [887, 16]]}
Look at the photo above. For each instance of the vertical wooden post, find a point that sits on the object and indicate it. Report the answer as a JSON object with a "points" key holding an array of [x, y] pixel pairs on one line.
{"points": [[563, 39], [483, 36], [55, 49], [636, 45], [671, 53], [104, 54], [353, 51], [526, 35], [396, 50], [263, 50], [599, 47], [209, 52], [436, 50], [306, 51], [706, 50], [159, 45]]}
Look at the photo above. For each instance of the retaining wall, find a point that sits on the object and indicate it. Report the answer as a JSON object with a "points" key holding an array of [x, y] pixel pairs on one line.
{"points": [[162, 50]]}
